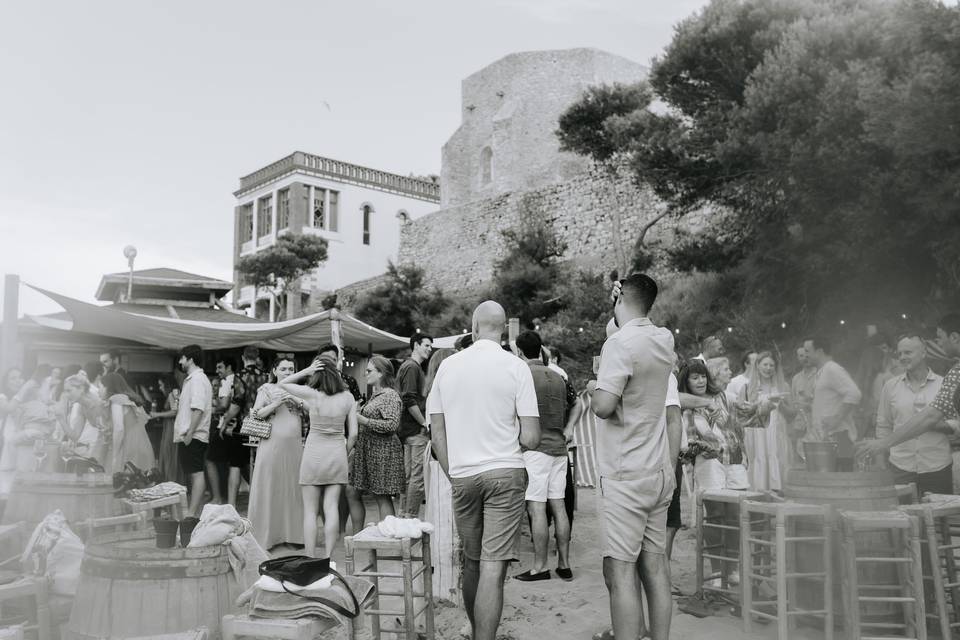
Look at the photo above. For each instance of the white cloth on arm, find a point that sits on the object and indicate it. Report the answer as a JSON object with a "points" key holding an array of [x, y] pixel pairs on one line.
{"points": [[481, 391]]}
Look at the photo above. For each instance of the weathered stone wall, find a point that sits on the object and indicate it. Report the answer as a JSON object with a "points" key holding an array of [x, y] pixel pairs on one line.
{"points": [[506, 141], [598, 214], [348, 296]]}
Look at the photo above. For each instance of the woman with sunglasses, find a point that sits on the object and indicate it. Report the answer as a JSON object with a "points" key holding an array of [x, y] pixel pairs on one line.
{"points": [[377, 466]]}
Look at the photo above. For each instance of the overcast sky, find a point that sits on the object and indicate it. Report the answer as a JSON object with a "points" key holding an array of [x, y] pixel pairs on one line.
{"points": [[130, 122]]}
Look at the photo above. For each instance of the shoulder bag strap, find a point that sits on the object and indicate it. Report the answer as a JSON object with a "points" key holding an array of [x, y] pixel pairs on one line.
{"points": [[333, 605]]}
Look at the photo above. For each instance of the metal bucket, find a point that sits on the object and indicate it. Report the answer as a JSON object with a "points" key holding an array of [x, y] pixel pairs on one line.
{"points": [[821, 456]]}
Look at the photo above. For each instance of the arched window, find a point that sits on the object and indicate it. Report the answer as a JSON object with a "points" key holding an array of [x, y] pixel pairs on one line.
{"points": [[367, 214], [403, 217], [486, 166]]}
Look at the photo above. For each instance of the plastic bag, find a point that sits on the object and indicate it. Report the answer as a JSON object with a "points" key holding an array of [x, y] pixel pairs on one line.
{"points": [[55, 551]]}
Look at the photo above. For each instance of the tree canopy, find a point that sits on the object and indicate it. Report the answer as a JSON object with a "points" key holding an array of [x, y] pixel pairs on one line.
{"points": [[826, 133], [280, 265]]}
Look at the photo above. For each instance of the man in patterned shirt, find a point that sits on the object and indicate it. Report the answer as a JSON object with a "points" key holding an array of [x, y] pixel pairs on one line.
{"points": [[941, 409]]}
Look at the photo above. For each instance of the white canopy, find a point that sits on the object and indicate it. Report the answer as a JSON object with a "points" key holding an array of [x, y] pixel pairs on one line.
{"points": [[300, 334]]}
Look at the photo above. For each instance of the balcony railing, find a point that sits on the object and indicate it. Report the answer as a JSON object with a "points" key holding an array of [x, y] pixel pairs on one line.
{"points": [[342, 172]]}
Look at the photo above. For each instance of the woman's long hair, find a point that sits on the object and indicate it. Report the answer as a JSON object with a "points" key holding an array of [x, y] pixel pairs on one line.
{"points": [[438, 356], [113, 384], [692, 367], [385, 367], [778, 382], [327, 380]]}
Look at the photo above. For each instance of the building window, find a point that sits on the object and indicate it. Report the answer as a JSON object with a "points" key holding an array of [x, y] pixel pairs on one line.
{"points": [[283, 209], [264, 216], [367, 210], [334, 210], [403, 217], [246, 222], [486, 166], [319, 209]]}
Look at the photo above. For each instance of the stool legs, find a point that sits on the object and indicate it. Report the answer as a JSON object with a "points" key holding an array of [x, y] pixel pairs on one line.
{"points": [[700, 520], [746, 573], [781, 562], [828, 621], [375, 621], [428, 585]]}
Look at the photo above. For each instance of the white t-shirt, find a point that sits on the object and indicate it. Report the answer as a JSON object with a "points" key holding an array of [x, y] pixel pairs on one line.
{"points": [[481, 391], [197, 393]]}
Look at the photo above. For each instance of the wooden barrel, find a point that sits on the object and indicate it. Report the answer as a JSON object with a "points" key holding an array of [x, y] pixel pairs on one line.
{"points": [[863, 491], [128, 588], [36, 494]]}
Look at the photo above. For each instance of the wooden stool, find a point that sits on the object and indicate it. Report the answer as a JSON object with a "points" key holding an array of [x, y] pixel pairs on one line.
{"points": [[729, 527], [177, 503], [385, 549], [38, 614], [90, 527], [243, 626], [773, 537], [904, 556], [939, 566]]}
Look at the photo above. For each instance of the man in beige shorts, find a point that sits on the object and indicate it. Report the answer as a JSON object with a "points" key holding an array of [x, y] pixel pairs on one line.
{"points": [[636, 468]]}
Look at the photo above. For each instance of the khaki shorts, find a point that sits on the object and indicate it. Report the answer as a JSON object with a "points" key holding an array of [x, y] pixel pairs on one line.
{"points": [[547, 476], [488, 508], [633, 515]]}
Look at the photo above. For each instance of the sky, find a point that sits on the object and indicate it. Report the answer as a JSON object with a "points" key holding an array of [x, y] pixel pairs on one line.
{"points": [[131, 121]]}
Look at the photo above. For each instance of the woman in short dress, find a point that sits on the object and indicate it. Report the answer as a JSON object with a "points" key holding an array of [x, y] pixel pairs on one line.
{"points": [[276, 501], [323, 468], [168, 464], [377, 466]]}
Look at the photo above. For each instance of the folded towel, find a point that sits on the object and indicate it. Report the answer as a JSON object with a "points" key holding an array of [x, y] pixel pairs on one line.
{"points": [[162, 490], [270, 604], [395, 528], [272, 584]]}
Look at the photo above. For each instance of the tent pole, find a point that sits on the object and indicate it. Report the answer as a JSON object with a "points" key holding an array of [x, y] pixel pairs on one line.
{"points": [[11, 312], [336, 334]]}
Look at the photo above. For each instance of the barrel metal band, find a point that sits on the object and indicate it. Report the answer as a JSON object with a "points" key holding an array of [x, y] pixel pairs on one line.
{"points": [[123, 571]]}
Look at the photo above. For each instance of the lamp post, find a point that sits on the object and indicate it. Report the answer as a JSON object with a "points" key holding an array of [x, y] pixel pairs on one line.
{"points": [[130, 253]]}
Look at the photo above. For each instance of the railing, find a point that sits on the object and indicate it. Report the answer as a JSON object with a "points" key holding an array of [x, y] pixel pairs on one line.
{"points": [[344, 171]]}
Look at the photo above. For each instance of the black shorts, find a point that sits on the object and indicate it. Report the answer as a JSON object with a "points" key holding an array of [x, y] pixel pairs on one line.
{"points": [[191, 456], [229, 449], [674, 520]]}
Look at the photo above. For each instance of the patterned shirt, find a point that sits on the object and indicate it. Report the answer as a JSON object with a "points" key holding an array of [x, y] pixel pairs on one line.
{"points": [[945, 400]]}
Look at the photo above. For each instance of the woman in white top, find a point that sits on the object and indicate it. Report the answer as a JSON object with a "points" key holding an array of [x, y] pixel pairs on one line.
{"points": [[84, 416], [764, 412]]}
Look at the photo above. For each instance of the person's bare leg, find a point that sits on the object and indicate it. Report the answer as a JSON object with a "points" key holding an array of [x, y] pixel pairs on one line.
{"points": [[357, 510], [471, 579], [197, 487], [540, 532], [655, 575], [331, 517], [385, 506], [625, 608], [215, 496], [233, 485], [311, 504], [489, 601], [561, 529]]}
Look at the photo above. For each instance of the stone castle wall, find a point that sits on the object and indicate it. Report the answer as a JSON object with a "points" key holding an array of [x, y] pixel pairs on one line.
{"points": [[598, 214]]}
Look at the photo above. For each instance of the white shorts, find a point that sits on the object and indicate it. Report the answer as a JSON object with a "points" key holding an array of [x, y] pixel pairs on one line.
{"points": [[546, 476]]}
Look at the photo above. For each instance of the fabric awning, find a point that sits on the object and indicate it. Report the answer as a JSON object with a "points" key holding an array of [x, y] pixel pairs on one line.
{"points": [[300, 334]]}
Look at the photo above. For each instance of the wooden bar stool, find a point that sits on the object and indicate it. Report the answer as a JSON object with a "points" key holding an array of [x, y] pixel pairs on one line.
{"points": [[393, 549], [177, 503], [907, 493], [939, 566], [727, 551], [233, 627], [773, 538], [865, 558]]}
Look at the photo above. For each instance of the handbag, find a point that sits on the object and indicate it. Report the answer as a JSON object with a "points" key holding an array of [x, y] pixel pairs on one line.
{"points": [[255, 427], [303, 571]]}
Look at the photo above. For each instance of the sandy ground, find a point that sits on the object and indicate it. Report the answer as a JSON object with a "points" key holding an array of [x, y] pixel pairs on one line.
{"points": [[558, 610]]}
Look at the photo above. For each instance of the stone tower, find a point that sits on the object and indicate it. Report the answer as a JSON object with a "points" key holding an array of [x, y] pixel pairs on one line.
{"points": [[506, 141]]}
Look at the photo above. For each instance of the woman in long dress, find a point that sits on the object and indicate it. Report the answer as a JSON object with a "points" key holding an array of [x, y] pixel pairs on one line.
{"points": [[276, 502], [764, 411], [333, 430], [168, 464], [127, 421], [377, 466]]}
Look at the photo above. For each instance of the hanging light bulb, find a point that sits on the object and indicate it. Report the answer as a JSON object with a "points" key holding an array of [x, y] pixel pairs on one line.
{"points": [[903, 315], [843, 322], [676, 331], [729, 329], [581, 330], [783, 325]]}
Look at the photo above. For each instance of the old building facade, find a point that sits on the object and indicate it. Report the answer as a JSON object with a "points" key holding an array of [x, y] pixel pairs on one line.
{"points": [[358, 210]]}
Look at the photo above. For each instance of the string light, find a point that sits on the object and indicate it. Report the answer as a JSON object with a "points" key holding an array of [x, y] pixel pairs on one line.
{"points": [[676, 331], [581, 330], [729, 329], [536, 328], [464, 330], [783, 325], [843, 322], [903, 315]]}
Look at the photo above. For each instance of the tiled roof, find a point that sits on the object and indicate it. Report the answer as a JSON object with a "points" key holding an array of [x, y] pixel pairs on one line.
{"points": [[172, 274]]}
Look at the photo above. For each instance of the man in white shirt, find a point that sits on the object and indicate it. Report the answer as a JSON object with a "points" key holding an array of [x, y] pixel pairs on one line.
{"points": [[741, 380], [926, 460], [710, 347], [478, 398], [191, 427]]}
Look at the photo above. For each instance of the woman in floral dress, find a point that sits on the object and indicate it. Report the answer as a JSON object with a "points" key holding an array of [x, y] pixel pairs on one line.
{"points": [[377, 466]]}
